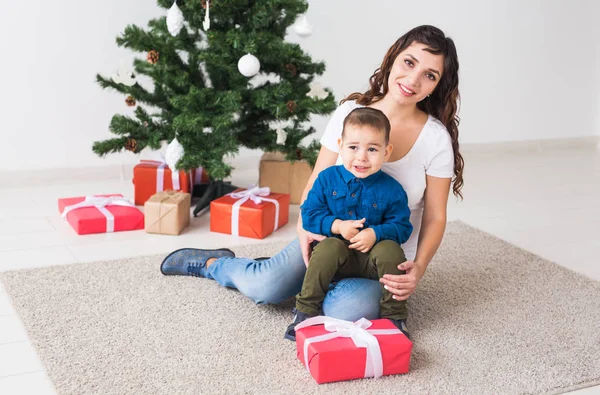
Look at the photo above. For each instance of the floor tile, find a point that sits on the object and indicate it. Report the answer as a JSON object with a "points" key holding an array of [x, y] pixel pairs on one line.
{"points": [[11, 330], [28, 241], [48, 196], [33, 258], [36, 383], [17, 358], [25, 225], [6, 307], [163, 244], [595, 390]]}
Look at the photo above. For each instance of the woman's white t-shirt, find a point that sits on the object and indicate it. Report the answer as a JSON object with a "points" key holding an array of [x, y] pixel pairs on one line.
{"points": [[431, 154]]}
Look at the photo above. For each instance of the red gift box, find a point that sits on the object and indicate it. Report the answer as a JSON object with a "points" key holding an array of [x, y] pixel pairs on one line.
{"points": [[238, 214], [332, 353], [150, 177], [101, 214], [200, 176]]}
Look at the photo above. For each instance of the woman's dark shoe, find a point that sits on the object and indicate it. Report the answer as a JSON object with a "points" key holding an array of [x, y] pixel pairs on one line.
{"points": [[191, 261]]}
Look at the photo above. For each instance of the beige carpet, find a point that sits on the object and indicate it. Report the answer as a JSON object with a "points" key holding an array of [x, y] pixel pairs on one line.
{"points": [[488, 318]]}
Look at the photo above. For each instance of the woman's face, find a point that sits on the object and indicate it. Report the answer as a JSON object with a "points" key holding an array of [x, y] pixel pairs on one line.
{"points": [[414, 74]]}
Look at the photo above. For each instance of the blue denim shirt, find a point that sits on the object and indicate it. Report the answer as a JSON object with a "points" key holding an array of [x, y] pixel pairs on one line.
{"points": [[337, 194]]}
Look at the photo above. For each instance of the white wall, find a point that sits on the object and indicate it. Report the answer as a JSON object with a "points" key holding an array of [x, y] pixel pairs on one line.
{"points": [[51, 109], [529, 69]]}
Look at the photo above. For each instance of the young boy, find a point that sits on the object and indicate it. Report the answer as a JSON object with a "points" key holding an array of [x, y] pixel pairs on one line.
{"points": [[365, 214]]}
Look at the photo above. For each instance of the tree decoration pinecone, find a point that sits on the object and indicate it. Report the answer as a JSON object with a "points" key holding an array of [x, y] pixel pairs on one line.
{"points": [[291, 106], [298, 154], [292, 69], [131, 145], [130, 100], [152, 56]]}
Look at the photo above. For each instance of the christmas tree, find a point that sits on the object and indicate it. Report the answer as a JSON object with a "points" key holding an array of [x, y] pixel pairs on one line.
{"points": [[195, 56]]}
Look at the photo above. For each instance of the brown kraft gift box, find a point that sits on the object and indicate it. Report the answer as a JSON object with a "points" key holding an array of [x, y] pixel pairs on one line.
{"points": [[167, 212], [283, 176]]}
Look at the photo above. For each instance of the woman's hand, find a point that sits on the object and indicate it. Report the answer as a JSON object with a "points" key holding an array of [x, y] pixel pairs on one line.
{"points": [[306, 238], [402, 285]]}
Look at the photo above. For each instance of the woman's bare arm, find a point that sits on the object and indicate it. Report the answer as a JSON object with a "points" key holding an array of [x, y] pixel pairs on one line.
{"points": [[434, 220]]}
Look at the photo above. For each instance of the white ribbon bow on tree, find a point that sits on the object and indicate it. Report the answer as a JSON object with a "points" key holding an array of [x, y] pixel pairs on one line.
{"points": [[357, 331], [257, 195], [100, 202]]}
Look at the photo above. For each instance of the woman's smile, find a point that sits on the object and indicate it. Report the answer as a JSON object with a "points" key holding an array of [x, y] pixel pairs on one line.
{"points": [[405, 91]]}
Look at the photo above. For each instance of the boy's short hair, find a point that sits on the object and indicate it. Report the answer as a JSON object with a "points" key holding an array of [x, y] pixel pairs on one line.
{"points": [[366, 116]]}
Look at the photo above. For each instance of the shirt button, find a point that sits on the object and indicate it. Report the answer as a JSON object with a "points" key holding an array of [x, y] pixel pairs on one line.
{"points": [[334, 193], [350, 213], [375, 205], [354, 195]]}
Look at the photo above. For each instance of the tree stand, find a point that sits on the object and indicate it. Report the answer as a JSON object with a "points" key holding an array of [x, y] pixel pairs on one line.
{"points": [[215, 189]]}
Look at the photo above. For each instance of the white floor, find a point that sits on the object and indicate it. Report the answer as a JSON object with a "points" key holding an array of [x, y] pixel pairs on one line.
{"points": [[546, 201]]}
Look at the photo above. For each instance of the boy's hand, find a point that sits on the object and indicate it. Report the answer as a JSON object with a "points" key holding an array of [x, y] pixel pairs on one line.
{"points": [[364, 240], [348, 229]]}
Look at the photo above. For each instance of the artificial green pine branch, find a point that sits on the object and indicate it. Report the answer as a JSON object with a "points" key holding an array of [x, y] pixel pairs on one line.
{"points": [[198, 94], [105, 147]]}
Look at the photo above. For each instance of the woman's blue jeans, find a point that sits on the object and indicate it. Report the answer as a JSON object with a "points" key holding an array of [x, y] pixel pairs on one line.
{"points": [[280, 277]]}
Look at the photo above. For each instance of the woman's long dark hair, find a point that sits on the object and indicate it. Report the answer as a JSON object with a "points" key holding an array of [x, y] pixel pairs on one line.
{"points": [[444, 100]]}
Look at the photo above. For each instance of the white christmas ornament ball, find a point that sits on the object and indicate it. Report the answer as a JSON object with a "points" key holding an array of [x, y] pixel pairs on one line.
{"points": [[248, 65], [303, 28], [174, 153], [124, 76], [174, 19]]}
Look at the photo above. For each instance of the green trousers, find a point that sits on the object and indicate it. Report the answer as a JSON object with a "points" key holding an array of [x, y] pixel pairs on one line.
{"points": [[332, 259]]}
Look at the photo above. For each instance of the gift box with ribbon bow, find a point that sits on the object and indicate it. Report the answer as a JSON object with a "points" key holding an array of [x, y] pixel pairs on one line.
{"points": [[338, 350], [101, 214], [254, 212], [152, 176], [167, 212]]}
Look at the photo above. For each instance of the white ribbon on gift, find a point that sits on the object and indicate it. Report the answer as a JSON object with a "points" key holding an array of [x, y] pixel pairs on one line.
{"points": [[160, 175], [257, 195], [357, 331], [100, 202]]}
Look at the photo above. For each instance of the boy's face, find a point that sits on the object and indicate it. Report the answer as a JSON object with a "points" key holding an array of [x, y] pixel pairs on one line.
{"points": [[363, 150]]}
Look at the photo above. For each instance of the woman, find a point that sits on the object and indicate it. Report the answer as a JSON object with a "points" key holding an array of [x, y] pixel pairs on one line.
{"points": [[417, 88]]}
